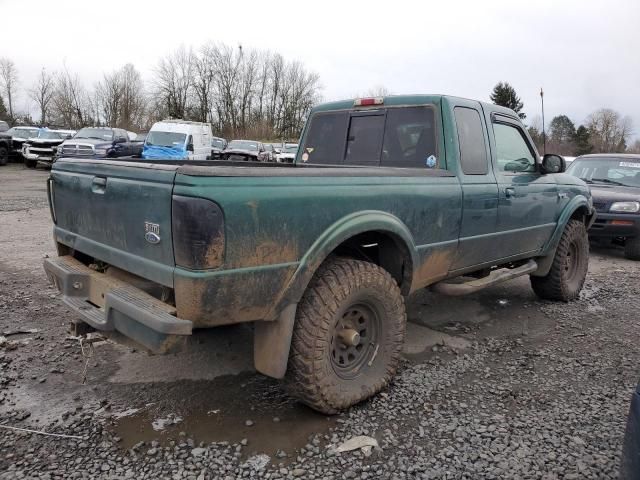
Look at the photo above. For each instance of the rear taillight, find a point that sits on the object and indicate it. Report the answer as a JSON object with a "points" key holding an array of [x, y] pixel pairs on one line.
{"points": [[198, 233]]}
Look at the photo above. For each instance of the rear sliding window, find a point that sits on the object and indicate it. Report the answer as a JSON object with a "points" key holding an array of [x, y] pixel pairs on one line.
{"points": [[393, 137]]}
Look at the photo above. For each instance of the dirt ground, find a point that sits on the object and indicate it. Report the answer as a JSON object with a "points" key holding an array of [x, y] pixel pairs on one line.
{"points": [[494, 385]]}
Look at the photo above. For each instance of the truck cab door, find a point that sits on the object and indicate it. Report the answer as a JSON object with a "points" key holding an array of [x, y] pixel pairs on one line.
{"points": [[479, 187], [528, 203]]}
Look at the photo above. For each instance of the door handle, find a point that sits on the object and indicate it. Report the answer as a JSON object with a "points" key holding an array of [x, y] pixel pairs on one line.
{"points": [[98, 184], [509, 192]]}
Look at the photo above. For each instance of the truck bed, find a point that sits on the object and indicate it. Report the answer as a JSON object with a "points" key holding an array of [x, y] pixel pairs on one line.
{"points": [[279, 220]]}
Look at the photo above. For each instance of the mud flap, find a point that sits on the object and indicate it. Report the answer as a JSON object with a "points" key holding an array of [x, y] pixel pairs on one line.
{"points": [[271, 343]]}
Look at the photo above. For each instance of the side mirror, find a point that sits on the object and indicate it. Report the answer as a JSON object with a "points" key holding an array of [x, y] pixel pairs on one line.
{"points": [[553, 164], [190, 147], [120, 140]]}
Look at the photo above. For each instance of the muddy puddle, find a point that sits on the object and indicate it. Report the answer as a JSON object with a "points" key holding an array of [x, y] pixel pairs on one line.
{"points": [[227, 409]]}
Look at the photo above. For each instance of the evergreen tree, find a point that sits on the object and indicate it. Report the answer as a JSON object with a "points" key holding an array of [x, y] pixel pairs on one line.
{"points": [[583, 141], [505, 95]]}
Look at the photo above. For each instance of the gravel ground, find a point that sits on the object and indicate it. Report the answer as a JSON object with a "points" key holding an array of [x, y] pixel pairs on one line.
{"points": [[513, 387]]}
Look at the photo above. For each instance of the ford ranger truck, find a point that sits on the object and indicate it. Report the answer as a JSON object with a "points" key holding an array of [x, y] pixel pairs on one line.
{"points": [[386, 196]]}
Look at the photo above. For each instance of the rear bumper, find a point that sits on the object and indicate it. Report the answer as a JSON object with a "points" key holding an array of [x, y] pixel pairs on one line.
{"points": [[608, 225], [114, 306]]}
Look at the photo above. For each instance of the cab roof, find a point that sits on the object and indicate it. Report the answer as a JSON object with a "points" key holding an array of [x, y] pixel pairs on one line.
{"points": [[416, 99]]}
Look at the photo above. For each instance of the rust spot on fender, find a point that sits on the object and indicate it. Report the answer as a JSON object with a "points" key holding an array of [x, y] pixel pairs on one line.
{"points": [[233, 298], [435, 267]]}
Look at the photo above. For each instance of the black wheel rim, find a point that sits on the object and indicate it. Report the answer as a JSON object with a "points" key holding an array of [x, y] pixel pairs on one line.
{"points": [[349, 360], [572, 263]]}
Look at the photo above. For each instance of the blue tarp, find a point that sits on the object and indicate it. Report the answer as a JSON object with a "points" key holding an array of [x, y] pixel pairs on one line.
{"points": [[157, 152]]}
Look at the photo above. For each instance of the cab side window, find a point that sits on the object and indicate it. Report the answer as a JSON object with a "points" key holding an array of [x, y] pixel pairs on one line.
{"points": [[513, 153], [473, 152]]}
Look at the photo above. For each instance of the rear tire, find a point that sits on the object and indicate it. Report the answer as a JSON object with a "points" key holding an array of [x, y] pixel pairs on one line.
{"points": [[569, 268], [4, 155], [348, 335], [632, 248]]}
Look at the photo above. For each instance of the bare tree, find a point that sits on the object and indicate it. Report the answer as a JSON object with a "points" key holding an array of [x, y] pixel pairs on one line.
{"points": [[175, 80], [109, 97], [121, 98], [71, 104], [8, 81], [203, 64], [132, 111], [609, 131], [42, 93]]}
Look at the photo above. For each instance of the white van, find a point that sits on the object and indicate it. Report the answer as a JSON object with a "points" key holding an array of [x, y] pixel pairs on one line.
{"points": [[178, 140]]}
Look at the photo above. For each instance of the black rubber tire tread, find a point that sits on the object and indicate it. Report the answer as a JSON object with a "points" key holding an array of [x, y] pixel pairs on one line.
{"points": [[310, 377], [632, 248], [554, 285], [31, 163], [4, 155]]}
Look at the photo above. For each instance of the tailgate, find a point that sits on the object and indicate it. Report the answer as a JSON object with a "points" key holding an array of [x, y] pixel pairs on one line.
{"points": [[117, 212]]}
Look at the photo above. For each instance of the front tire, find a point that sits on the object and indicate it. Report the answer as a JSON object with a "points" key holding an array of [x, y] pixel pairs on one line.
{"points": [[4, 155], [30, 163], [632, 248], [569, 268], [348, 335]]}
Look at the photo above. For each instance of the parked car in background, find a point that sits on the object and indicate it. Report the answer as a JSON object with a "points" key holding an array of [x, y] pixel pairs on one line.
{"points": [[630, 463], [288, 153], [138, 144], [97, 142], [18, 137], [270, 151], [247, 150], [615, 186], [42, 149], [5, 148], [218, 145], [178, 140], [4, 126]]}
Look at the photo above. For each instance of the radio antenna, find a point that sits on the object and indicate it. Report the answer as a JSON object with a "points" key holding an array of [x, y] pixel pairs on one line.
{"points": [[544, 135]]}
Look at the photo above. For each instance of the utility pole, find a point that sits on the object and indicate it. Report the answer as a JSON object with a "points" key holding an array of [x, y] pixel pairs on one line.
{"points": [[544, 135]]}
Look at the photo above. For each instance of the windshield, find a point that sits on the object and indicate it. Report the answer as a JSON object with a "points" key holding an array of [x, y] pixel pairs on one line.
{"points": [[23, 132], [290, 149], [243, 145], [608, 170], [95, 134], [49, 135], [217, 142], [166, 139]]}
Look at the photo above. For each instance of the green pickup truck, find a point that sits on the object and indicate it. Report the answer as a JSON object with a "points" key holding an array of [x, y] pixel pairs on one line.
{"points": [[386, 196]]}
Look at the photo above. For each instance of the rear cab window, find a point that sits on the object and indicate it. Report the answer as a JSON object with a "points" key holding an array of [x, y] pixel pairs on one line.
{"points": [[403, 137]]}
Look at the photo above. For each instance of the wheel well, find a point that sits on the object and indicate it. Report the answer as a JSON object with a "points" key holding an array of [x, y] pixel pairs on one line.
{"points": [[581, 214], [385, 250]]}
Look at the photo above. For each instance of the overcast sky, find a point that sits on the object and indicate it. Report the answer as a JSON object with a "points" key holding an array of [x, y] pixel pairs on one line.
{"points": [[585, 54]]}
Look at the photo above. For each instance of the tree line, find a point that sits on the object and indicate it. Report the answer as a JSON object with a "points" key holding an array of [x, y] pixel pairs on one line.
{"points": [[241, 92], [603, 131]]}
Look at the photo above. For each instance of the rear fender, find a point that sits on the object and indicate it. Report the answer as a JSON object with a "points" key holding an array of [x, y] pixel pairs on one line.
{"points": [[341, 231], [272, 339], [575, 204]]}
